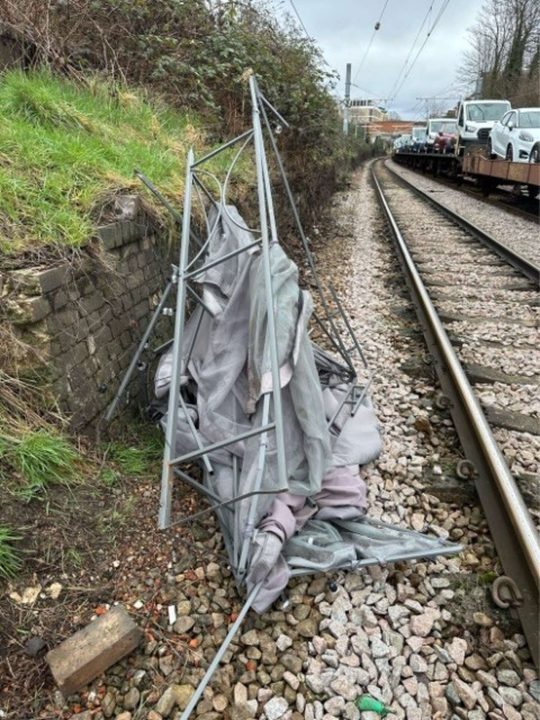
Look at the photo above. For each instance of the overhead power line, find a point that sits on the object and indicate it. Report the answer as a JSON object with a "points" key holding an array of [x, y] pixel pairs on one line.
{"points": [[377, 26], [300, 20], [404, 66], [429, 33]]}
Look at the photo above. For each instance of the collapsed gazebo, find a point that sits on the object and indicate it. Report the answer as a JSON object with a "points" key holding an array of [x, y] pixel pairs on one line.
{"points": [[278, 425]]}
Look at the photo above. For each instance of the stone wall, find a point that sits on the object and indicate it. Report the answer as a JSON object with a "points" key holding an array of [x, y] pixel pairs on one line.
{"points": [[85, 316]]}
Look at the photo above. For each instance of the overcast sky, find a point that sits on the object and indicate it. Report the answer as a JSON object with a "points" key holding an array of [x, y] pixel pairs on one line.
{"points": [[343, 28]]}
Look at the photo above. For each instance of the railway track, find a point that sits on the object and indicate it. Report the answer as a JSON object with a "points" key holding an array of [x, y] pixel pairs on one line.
{"points": [[477, 302]]}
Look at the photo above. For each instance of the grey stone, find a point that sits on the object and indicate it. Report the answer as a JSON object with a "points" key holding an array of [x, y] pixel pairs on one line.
{"points": [[291, 680], [457, 649], [511, 695], [351, 712], [174, 695], [283, 642], [292, 663], [240, 693], [487, 679], [465, 693], [183, 625], [417, 663], [341, 686], [131, 698], [335, 706], [508, 677], [421, 625], [108, 704], [251, 637], [245, 711], [379, 649], [276, 708], [307, 628]]}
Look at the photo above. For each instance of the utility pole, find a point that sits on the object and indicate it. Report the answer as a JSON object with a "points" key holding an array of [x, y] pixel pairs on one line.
{"points": [[347, 99]]}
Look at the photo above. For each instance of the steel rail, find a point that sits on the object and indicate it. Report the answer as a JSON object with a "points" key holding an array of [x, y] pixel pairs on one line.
{"points": [[521, 263], [510, 523]]}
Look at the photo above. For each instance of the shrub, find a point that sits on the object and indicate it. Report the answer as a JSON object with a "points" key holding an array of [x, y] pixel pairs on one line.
{"points": [[197, 55]]}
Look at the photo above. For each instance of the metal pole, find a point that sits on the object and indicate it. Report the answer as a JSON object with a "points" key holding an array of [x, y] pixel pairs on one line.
{"points": [[167, 474], [260, 161], [222, 443], [133, 364], [304, 240], [220, 653], [196, 436], [347, 99], [250, 521]]}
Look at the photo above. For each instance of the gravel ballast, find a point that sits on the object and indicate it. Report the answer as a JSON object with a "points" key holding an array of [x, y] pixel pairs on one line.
{"points": [[518, 233], [423, 638]]}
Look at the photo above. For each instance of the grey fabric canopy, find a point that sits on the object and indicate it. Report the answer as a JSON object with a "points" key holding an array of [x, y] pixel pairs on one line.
{"points": [[316, 521]]}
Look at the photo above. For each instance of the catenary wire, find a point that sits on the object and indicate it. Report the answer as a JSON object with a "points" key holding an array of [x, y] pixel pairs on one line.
{"points": [[429, 33], [411, 49], [377, 24], [300, 19]]}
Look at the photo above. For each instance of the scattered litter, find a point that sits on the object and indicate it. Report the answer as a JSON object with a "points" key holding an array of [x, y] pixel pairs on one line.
{"points": [[28, 597], [172, 614], [54, 590], [367, 703]]}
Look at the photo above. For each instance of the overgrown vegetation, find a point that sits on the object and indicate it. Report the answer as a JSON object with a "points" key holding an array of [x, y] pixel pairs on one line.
{"points": [[67, 149], [141, 458], [197, 55], [103, 87]]}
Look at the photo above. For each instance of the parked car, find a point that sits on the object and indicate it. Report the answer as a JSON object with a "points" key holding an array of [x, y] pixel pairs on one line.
{"points": [[402, 142], [475, 120], [444, 142], [517, 136], [433, 137], [418, 136]]}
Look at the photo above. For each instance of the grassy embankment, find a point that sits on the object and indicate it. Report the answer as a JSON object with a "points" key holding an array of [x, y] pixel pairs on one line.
{"points": [[66, 149]]}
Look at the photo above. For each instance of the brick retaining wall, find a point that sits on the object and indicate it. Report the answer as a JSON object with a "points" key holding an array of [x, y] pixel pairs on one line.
{"points": [[85, 316]]}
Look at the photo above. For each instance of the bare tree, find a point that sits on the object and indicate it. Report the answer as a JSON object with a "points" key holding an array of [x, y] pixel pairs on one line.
{"points": [[503, 51]]}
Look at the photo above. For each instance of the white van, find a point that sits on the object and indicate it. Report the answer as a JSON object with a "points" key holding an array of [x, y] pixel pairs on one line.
{"points": [[475, 120]]}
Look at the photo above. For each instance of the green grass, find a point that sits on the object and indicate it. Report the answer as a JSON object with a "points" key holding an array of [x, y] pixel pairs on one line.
{"points": [[10, 561], [65, 149], [40, 458], [140, 459]]}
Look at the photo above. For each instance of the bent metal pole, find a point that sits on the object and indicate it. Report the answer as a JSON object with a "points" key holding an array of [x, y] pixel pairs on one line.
{"points": [[167, 474]]}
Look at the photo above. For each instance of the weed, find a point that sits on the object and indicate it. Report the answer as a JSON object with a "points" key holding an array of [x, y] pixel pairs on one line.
{"points": [[10, 561], [74, 557], [131, 460], [109, 477], [41, 458], [140, 459]]}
